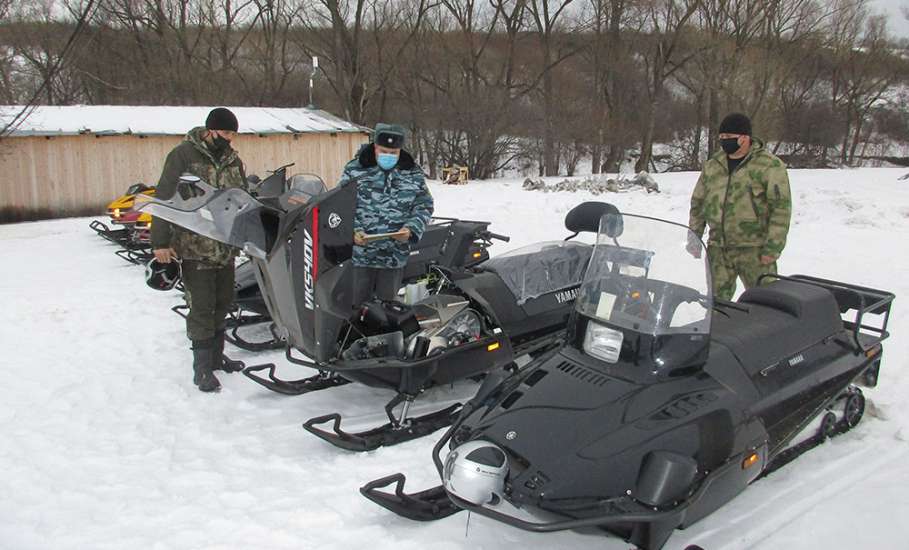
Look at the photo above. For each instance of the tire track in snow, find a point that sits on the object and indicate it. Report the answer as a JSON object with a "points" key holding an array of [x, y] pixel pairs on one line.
{"points": [[777, 505]]}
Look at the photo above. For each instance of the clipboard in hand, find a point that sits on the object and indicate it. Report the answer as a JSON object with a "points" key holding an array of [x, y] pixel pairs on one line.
{"points": [[379, 236]]}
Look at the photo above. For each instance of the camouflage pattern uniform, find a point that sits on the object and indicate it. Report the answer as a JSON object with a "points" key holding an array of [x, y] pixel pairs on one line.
{"points": [[208, 265], [387, 201], [748, 212]]}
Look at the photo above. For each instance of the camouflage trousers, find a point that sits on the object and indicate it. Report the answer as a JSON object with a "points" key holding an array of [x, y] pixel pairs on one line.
{"points": [[728, 264], [209, 293]]}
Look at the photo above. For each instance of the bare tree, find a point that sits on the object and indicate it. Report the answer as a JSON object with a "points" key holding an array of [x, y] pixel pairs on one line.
{"points": [[548, 21], [864, 71], [666, 24], [608, 62], [351, 36]]}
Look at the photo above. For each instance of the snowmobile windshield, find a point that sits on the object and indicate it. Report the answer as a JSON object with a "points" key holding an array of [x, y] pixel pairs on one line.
{"points": [[230, 216], [647, 276], [301, 190], [541, 268]]}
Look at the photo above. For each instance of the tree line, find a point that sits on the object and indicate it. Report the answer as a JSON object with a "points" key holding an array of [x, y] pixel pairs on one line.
{"points": [[530, 84]]}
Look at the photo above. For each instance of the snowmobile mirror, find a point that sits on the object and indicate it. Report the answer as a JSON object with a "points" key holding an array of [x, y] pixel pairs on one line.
{"points": [[586, 217], [253, 179]]}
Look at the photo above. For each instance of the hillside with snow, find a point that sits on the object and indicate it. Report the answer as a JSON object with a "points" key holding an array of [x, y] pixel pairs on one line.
{"points": [[106, 444]]}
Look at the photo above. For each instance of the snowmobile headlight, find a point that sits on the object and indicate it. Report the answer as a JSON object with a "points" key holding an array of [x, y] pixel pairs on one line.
{"points": [[476, 472], [603, 342]]}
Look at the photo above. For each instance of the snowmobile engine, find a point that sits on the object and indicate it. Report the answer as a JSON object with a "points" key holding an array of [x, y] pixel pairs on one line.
{"points": [[400, 331], [476, 472]]}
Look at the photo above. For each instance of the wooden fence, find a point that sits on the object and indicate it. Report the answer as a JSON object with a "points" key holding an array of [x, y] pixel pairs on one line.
{"points": [[42, 177]]}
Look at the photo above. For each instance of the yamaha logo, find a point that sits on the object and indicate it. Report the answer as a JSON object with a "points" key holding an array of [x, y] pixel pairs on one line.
{"points": [[334, 220], [567, 295]]}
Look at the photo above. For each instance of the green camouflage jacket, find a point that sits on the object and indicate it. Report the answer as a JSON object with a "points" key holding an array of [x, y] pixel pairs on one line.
{"points": [[750, 207], [192, 156], [387, 202]]}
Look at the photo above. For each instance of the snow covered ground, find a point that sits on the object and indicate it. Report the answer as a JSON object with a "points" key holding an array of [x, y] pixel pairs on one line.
{"points": [[105, 443]]}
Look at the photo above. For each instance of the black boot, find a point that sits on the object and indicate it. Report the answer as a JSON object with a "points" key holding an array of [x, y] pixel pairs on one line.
{"points": [[219, 361], [202, 359]]}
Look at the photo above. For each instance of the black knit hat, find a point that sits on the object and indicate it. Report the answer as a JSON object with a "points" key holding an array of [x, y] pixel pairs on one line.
{"points": [[221, 119], [736, 123]]}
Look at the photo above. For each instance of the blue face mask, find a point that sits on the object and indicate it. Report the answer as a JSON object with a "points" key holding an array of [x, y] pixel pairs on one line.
{"points": [[387, 161]]}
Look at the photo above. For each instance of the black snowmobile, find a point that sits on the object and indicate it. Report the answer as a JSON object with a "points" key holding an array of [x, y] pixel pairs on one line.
{"points": [[663, 404], [447, 243], [473, 321]]}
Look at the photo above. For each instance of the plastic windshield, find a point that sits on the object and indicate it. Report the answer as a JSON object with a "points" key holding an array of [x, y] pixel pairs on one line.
{"points": [[541, 268], [648, 276], [230, 216], [302, 188]]}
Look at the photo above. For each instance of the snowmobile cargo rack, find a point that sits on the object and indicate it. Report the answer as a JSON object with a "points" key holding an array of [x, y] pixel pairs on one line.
{"points": [[489, 235], [848, 297]]}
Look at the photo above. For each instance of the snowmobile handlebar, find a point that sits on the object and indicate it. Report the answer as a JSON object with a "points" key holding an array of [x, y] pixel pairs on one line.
{"points": [[489, 235]]}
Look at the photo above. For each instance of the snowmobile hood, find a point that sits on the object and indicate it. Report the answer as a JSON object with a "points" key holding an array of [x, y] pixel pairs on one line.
{"points": [[125, 202], [569, 414], [231, 216]]}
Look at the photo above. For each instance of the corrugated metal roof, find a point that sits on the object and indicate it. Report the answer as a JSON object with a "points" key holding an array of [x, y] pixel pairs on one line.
{"points": [[163, 120]]}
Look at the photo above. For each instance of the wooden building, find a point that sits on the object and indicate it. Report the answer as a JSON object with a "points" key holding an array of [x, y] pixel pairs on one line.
{"points": [[65, 161]]}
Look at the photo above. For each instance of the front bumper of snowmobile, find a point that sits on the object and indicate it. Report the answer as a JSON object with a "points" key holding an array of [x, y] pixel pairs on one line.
{"points": [[622, 513]]}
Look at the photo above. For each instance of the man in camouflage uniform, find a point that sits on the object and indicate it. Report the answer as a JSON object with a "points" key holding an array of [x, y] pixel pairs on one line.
{"points": [[207, 265], [392, 197], [743, 195]]}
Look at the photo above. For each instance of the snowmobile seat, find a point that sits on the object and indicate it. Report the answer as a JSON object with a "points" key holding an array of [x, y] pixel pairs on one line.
{"points": [[541, 269], [782, 318], [810, 303]]}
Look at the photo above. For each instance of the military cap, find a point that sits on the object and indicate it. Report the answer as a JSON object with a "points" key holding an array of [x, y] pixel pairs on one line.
{"points": [[389, 135]]}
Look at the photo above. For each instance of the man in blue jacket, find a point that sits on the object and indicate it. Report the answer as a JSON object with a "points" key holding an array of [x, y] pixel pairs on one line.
{"points": [[392, 197]]}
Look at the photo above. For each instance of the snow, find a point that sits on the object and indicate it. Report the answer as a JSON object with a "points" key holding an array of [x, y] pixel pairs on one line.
{"points": [[144, 120], [107, 444]]}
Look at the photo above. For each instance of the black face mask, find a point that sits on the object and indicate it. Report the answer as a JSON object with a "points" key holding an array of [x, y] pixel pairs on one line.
{"points": [[730, 145], [219, 145]]}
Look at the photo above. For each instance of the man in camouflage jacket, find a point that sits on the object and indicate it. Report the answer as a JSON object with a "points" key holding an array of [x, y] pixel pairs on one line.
{"points": [[743, 195], [392, 197], [207, 266]]}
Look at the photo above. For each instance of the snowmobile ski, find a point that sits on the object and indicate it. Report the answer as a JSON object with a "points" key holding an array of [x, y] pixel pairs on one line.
{"points": [[397, 430], [310, 384], [428, 505]]}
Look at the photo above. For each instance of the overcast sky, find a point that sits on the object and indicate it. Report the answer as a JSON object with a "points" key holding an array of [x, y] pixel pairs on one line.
{"points": [[897, 24]]}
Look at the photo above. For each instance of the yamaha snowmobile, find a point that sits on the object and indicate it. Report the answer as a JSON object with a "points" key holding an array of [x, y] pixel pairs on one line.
{"points": [[473, 321], [467, 240], [250, 313], [663, 403], [116, 209]]}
